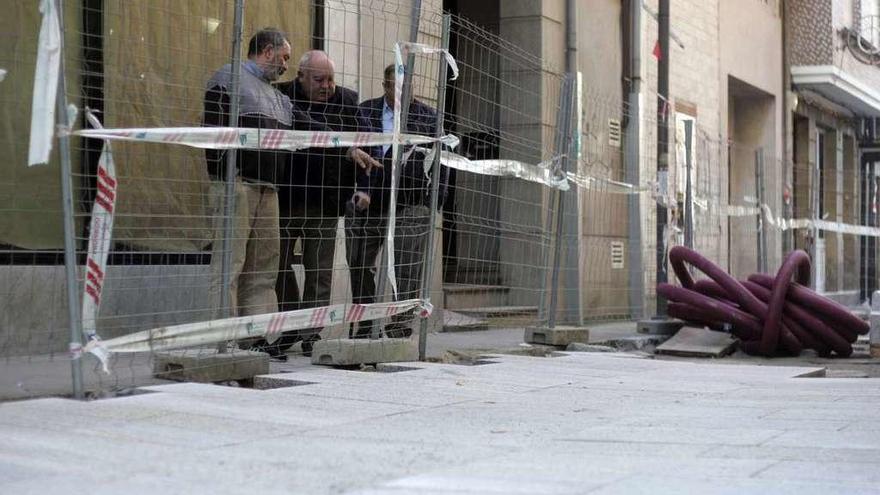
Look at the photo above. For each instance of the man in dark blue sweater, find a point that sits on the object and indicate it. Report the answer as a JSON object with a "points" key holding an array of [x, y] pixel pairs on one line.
{"points": [[365, 231]]}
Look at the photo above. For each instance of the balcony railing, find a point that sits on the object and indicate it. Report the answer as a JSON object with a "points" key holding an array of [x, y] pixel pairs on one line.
{"points": [[868, 28]]}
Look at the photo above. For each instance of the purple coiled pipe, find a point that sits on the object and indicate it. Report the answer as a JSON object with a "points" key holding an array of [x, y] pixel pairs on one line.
{"points": [[772, 316]]}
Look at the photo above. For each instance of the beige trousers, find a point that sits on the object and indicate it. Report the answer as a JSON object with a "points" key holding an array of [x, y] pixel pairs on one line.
{"points": [[254, 246]]}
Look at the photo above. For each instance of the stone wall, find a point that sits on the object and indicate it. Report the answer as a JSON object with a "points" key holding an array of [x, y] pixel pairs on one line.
{"points": [[810, 31]]}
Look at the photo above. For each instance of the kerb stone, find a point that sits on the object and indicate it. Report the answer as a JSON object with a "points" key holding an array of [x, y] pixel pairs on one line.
{"points": [[208, 365], [560, 336], [351, 352]]}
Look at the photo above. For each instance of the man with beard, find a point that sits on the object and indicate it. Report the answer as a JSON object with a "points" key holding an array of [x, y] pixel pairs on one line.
{"points": [[254, 243]]}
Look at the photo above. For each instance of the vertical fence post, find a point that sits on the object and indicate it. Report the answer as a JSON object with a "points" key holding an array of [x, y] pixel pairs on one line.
{"points": [[759, 194], [70, 263], [689, 186], [632, 159], [436, 178], [229, 195], [787, 202], [564, 123], [405, 97], [815, 191], [407, 93], [663, 111]]}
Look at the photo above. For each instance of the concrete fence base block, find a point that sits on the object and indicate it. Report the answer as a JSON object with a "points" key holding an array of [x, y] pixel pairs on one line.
{"points": [[352, 352], [646, 343], [659, 326], [560, 336], [208, 365], [874, 335]]}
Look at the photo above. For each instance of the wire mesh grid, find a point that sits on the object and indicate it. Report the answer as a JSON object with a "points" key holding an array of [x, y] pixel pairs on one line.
{"points": [[508, 252], [833, 194], [496, 233], [147, 64]]}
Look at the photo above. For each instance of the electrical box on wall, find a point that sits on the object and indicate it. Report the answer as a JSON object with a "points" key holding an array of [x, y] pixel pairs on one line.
{"points": [[617, 256], [614, 133]]}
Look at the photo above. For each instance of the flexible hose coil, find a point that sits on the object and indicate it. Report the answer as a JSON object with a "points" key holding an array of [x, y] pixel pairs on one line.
{"points": [[771, 316]]}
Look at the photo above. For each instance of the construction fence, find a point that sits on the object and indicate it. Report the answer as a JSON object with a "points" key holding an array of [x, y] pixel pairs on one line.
{"points": [[503, 192]]}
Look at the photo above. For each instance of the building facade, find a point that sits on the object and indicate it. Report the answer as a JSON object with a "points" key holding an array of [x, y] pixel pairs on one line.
{"points": [[834, 75], [770, 102]]}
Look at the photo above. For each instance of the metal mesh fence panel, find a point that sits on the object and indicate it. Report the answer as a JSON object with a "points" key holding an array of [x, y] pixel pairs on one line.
{"points": [[356, 190], [289, 232], [497, 230], [147, 65]]}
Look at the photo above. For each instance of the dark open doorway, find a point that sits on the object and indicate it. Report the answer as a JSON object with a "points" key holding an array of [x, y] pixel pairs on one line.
{"points": [[474, 145]]}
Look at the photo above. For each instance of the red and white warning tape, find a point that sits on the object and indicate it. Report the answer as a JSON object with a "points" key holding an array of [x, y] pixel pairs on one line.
{"points": [[270, 326], [100, 237], [248, 138]]}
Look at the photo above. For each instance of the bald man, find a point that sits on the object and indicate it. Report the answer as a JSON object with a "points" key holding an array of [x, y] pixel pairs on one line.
{"points": [[322, 182]]}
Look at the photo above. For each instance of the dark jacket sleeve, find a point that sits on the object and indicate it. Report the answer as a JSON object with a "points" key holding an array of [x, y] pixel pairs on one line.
{"points": [[216, 114], [365, 117], [423, 120], [350, 121], [428, 119], [302, 121]]}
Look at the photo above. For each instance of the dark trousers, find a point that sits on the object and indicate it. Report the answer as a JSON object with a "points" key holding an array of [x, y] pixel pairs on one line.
{"points": [[365, 236], [317, 235]]}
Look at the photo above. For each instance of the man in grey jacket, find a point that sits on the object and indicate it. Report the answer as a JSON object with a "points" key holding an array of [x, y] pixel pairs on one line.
{"points": [[255, 238]]}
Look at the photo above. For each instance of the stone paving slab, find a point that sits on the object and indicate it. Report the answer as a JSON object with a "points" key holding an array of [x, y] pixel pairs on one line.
{"points": [[827, 471], [698, 342], [826, 454], [579, 423], [654, 485]]}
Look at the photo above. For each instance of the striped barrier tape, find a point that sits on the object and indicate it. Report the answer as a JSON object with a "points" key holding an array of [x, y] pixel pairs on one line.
{"points": [[397, 140], [615, 187], [607, 185], [270, 326], [256, 139], [546, 172], [100, 238]]}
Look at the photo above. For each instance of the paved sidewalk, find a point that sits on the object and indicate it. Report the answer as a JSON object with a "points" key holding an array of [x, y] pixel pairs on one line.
{"points": [[31, 377], [580, 423]]}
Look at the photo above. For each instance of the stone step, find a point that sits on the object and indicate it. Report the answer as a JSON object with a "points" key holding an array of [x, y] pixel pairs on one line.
{"points": [[454, 321], [460, 274], [457, 296], [501, 312]]}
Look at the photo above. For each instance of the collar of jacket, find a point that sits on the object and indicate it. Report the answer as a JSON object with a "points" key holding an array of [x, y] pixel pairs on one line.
{"points": [[299, 96], [253, 68]]}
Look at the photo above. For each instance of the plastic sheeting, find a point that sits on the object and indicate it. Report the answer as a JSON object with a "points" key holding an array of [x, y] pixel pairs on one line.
{"points": [[45, 85], [157, 58], [30, 213]]}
